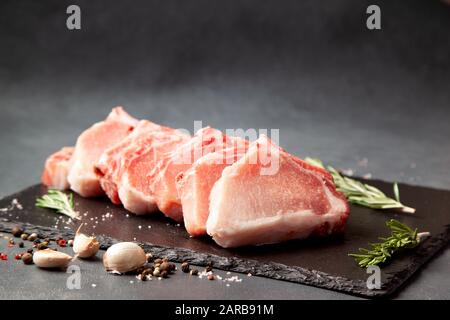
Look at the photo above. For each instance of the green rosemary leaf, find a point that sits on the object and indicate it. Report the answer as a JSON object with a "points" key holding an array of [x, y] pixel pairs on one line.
{"points": [[59, 201], [402, 237], [360, 193]]}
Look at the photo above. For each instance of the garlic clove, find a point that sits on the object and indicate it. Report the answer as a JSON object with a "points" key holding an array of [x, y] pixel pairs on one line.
{"points": [[85, 246], [49, 258], [124, 257]]}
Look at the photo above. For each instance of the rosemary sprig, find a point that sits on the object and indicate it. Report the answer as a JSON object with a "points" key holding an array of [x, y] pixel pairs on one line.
{"points": [[60, 202], [401, 237], [362, 193]]}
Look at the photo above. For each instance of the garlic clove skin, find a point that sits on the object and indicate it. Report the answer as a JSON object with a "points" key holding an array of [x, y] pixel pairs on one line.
{"points": [[84, 246], [49, 258], [124, 257]]}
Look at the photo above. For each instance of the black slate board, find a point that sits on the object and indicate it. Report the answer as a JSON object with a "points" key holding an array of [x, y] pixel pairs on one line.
{"points": [[318, 262]]}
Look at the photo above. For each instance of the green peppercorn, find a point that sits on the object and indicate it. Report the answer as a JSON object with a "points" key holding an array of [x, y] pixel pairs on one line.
{"points": [[185, 267], [27, 258], [42, 246], [17, 232]]}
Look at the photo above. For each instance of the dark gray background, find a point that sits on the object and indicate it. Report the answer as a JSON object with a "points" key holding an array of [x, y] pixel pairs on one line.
{"points": [[376, 102]]}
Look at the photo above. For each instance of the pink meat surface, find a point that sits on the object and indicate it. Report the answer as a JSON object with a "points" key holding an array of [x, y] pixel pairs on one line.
{"points": [[139, 168], [115, 160], [90, 146], [56, 169], [194, 186], [205, 141], [270, 196]]}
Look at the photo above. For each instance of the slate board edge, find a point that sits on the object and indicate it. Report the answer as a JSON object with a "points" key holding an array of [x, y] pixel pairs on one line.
{"points": [[269, 270]]}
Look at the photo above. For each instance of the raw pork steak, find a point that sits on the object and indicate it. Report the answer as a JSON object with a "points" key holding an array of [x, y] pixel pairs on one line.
{"points": [[194, 186], [89, 147], [139, 168], [270, 196], [56, 169], [205, 141], [115, 160]]}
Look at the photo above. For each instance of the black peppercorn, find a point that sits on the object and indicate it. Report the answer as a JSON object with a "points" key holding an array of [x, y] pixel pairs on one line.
{"points": [[165, 266], [17, 232], [158, 261], [208, 268], [185, 267], [30, 251], [164, 274], [21, 245]]}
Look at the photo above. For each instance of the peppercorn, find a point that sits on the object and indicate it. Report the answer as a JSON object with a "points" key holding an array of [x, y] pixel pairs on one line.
{"points": [[143, 277], [165, 266], [194, 272], [209, 268], [185, 267], [11, 242], [211, 277], [21, 245], [157, 272], [27, 258], [62, 243], [37, 241], [149, 257], [32, 237], [70, 243], [24, 236], [159, 261], [164, 274], [3, 256], [165, 260], [30, 251], [173, 267], [139, 270], [18, 256], [17, 232], [146, 272], [42, 246]]}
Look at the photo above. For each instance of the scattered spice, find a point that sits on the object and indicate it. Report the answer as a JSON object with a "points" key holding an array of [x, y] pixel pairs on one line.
{"points": [[3, 256], [21, 245], [208, 268], [18, 256], [70, 243], [27, 258], [30, 251], [211, 277], [185, 267], [24, 236], [62, 243], [156, 273], [164, 274], [149, 257], [159, 261]]}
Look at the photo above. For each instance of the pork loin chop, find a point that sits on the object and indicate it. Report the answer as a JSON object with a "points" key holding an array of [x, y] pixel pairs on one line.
{"points": [[194, 186], [115, 160], [89, 147], [250, 205], [205, 141], [56, 169], [139, 169]]}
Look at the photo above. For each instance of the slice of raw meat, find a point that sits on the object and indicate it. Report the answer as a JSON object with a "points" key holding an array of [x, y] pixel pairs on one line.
{"points": [[138, 176], [194, 186], [89, 147], [115, 160], [205, 141], [269, 196], [56, 169]]}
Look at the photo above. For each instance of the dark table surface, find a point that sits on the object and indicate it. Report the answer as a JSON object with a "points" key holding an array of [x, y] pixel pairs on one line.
{"points": [[376, 102]]}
